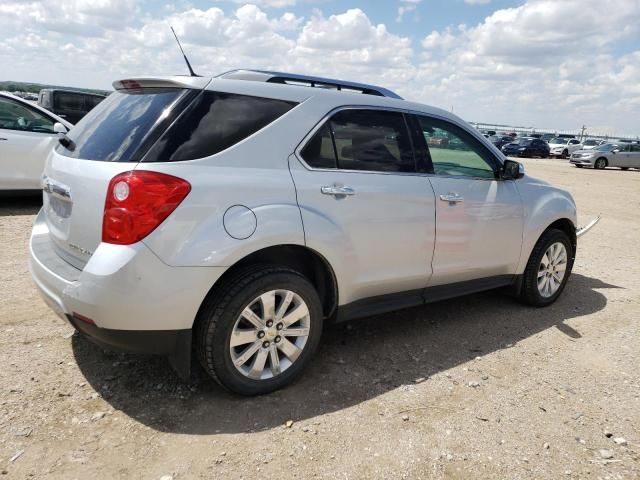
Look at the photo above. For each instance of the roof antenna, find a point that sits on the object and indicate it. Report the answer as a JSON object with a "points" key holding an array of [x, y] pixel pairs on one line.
{"points": [[191, 72]]}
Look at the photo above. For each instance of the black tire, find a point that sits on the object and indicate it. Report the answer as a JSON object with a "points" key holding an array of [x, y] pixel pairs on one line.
{"points": [[565, 153], [624, 168], [600, 164], [530, 293], [577, 166], [220, 310]]}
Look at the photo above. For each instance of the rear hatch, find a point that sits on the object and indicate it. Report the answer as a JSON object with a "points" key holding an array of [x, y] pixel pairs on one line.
{"points": [[111, 139]]}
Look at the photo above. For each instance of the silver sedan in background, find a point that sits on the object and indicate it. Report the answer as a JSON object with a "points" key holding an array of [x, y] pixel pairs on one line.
{"points": [[623, 156]]}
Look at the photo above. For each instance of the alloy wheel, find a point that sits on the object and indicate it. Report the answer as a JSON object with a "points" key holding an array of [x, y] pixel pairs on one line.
{"points": [[552, 268], [269, 334]]}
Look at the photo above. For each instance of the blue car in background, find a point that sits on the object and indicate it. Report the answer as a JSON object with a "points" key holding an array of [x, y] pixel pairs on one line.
{"points": [[527, 147]]}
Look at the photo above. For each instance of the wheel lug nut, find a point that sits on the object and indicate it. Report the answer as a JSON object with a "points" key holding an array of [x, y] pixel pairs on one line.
{"points": [[266, 344], [269, 324], [279, 326], [260, 334], [277, 339]]}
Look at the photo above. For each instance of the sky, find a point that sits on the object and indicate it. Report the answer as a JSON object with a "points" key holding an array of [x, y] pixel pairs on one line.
{"points": [[557, 64]]}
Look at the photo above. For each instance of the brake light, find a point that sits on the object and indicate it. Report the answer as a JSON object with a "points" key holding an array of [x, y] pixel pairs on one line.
{"points": [[137, 202]]}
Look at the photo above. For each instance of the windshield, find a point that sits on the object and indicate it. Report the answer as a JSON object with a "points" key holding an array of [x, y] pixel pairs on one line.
{"points": [[523, 141], [588, 143], [559, 140], [607, 147]]}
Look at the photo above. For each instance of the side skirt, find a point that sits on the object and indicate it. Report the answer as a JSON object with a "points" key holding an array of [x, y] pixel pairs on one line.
{"points": [[396, 301]]}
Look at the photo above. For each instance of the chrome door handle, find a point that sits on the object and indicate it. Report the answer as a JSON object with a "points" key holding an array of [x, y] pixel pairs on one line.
{"points": [[452, 198], [337, 190]]}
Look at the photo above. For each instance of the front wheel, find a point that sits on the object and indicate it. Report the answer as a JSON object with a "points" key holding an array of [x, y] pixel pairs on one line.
{"points": [[548, 269], [600, 164], [258, 333], [565, 153]]}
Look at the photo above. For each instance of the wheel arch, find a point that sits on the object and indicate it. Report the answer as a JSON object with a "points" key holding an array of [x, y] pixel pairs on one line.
{"points": [[302, 259]]}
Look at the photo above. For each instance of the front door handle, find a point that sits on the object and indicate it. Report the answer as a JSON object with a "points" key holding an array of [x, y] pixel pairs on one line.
{"points": [[452, 197], [337, 190], [3, 139]]}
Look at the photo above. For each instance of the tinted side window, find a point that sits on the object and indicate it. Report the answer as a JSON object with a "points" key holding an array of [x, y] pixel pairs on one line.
{"points": [[372, 140], [14, 116], [214, 122], [454, 151], [319, 152]]}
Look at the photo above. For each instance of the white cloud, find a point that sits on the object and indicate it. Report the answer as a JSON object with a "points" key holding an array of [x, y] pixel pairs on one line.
{"points": [[545, 62], [405, 7]]}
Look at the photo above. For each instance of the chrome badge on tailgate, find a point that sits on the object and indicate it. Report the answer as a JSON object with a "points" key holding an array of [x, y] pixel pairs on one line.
{"points": [[59, 197]]}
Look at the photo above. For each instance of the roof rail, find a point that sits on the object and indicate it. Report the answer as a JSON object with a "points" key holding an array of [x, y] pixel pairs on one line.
{"points": [[308, 81]]}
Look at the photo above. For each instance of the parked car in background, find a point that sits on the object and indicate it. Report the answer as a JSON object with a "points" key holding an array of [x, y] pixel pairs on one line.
{"points": [[527, 147], [68, 104], [500, 141], [27, 135], [261, 210], [563, 147], [592, 143], [548, 136], [608, 155]]}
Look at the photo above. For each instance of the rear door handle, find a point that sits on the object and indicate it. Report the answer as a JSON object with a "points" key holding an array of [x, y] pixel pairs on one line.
{"points": [[337, 190], [452, 197]]}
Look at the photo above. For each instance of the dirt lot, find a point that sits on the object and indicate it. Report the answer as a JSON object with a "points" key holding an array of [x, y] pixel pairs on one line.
{"points": [[479, 387]]}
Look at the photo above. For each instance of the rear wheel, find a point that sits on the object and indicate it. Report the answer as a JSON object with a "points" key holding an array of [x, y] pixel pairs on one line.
{"points": [[548, 269], [259, 332], [600, 164]]}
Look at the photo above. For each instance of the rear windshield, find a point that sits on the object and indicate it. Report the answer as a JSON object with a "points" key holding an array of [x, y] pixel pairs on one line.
{"points": [[169, 125], [116, 129]]}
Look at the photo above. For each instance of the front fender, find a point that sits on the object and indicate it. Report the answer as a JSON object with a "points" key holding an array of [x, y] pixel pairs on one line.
{"points": [[543, 205]]}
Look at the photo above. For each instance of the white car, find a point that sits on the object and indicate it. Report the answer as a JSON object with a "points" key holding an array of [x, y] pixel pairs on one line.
{"points": [[563, 147], [28, 133], [234, 216]]}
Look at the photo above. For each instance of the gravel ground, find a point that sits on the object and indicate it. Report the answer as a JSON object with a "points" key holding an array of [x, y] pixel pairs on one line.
{"points": [[478, 387]]}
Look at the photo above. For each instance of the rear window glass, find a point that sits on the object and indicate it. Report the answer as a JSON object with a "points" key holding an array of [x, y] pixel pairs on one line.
{"points": [[68, 101], [116, 129], [214, 122]]}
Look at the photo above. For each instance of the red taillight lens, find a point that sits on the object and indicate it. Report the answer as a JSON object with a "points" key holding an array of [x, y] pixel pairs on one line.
{"points": [[137, 202]]}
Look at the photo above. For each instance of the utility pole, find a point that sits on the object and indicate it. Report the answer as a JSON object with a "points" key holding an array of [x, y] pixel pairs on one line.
{"points": [[582, 134]]}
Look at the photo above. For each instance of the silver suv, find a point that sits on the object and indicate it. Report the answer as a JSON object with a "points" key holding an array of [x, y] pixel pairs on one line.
{"points": [[234, 216]]}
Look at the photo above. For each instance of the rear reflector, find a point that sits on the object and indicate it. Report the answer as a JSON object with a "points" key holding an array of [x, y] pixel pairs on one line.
{"points": [[137, 202], [82, 318]]}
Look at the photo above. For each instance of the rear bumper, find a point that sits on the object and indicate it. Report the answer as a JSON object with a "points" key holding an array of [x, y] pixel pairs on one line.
{"points": [[121, 288]]}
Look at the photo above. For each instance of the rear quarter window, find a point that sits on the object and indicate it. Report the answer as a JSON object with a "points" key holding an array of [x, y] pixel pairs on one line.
{"points": [[214, 122]]}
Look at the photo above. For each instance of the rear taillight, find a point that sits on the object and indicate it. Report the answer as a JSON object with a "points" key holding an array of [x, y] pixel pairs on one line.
{"points": [[137, 202]]}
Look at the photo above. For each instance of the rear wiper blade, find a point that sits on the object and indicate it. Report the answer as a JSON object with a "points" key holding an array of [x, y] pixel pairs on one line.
{"points": [[66, 142]]}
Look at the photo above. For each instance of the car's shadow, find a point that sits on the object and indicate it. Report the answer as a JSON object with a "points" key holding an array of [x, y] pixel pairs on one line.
{"points": [[20, 203], [355, 362]]}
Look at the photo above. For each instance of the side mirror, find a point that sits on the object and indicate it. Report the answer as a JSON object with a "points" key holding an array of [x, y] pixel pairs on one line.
{"points": [[512, 170], [59, 128], [615, 150]]}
